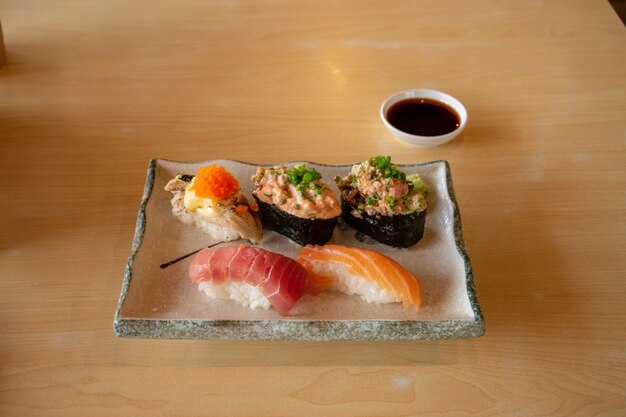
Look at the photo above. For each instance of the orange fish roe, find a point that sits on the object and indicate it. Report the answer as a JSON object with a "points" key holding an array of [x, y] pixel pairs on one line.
{"points": [[241, 208], [215, 182]]}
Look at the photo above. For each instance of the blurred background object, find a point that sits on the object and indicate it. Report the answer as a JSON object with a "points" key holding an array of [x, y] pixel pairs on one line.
{"points": [[3, 55], [620, 8]]}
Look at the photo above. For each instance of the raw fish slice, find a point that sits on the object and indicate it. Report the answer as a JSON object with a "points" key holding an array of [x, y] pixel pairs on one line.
{"points": [[374, 276], [240, 264], [281, 280]]}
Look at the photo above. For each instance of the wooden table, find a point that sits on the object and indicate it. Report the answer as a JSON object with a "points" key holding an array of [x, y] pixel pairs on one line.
{"points": [[93, 90]]}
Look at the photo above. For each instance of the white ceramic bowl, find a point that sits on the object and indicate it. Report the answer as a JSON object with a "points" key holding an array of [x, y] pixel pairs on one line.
{"points": [[424, 141]]}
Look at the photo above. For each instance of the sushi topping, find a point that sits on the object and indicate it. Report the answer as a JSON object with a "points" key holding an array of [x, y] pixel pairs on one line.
{"points": [[378, 187], [303, 178], [388, 170], [212, 190], [298, 191], [215, 182]]}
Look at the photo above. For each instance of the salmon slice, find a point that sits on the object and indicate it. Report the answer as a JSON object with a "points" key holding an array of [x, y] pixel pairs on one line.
{"points": [[330, 263]]}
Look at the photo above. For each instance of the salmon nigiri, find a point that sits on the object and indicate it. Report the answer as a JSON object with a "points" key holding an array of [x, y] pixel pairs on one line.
{"points": [[252, 276], [369, 274]]}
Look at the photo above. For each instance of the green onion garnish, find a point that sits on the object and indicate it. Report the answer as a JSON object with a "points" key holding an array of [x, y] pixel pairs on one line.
{"points": [[301, 177]]}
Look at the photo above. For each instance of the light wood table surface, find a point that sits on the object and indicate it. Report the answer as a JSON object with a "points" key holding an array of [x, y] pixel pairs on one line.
{"points": [[93, 89]]}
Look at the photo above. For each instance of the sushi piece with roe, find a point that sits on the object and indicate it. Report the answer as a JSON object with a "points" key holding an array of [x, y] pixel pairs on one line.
{"points": [[212, 201]]}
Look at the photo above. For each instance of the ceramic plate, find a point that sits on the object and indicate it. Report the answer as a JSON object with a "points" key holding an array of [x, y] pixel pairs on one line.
{"points": [[163, 303]]}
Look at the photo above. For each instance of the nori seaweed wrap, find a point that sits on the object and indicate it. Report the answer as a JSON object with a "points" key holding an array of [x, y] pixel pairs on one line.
{"points": [[296, 203], [298, 229], [401, 230], [383, 202]]}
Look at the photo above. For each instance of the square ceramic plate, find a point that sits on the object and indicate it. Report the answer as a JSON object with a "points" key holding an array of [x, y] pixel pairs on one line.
{"points": [[163, 303]]}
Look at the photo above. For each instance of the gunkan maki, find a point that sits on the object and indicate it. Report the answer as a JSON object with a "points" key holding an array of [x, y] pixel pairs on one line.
{"points": [[381, 201], [296, 203]]}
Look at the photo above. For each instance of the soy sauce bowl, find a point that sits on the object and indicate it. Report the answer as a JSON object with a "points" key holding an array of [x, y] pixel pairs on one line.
{"points": [[426, 121]]}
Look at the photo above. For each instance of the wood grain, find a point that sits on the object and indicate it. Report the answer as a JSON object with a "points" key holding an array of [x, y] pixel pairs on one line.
{"points": [[93, 90]]}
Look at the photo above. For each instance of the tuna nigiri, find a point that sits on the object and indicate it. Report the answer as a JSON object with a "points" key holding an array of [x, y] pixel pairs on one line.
{"points": [[369, 274], [252, 276]]}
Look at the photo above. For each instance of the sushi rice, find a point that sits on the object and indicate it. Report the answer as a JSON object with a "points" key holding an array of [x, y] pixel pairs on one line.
{"points": [[243, 293], [352, 284]]}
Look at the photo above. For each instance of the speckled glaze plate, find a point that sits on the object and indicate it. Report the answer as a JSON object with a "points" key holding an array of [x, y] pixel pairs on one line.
{"points": [[163, 303]]}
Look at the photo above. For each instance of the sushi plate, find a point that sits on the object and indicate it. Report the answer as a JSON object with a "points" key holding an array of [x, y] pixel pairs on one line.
{"points": [[163, 303]]}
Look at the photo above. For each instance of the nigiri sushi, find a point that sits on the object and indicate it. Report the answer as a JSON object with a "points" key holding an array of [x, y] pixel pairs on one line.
{"points": [[376, 278], [296, 203], [381, 201], [252, 276], [212, 201]]}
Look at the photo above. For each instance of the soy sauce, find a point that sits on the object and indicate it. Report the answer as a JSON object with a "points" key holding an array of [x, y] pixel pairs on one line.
{"points": [[423, 117]]}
